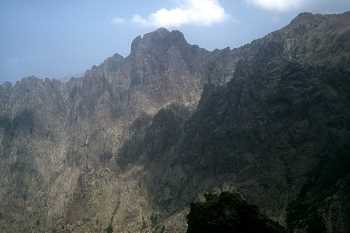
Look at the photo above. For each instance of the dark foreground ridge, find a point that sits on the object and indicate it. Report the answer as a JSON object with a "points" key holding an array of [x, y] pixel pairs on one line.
{"points": [[228, 213]]}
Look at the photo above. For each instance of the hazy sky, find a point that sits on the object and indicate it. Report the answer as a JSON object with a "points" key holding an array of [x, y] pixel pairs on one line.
{"points": [[60, 38]]}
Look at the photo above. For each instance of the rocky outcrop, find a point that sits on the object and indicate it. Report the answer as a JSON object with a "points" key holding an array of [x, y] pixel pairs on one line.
{"points": [[228, 212]]}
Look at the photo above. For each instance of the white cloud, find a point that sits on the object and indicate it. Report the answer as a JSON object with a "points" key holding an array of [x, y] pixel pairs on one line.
{"points": [[277, 5], [118, 20], [140, 20], [189, 12]]}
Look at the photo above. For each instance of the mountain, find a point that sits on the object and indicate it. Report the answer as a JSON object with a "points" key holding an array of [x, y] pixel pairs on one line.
{"points": [[130, 144]]}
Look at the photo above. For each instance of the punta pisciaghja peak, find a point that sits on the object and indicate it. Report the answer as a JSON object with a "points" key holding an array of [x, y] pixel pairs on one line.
{"points": [[161, 38]]}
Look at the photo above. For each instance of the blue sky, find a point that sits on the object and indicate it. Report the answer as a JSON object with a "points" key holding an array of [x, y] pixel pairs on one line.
{"points": [[59, 39]]}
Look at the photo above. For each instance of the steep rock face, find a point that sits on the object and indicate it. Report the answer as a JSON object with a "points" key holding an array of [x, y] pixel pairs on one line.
{"points": [[264, 134], [161, 68], [32, 151], [60, 140], [268, 132], [100, 153], [104, 104], [309, 39]]}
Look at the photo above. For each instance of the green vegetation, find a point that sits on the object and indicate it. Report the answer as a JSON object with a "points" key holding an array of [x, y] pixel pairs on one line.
{"points": [[109, 229]]}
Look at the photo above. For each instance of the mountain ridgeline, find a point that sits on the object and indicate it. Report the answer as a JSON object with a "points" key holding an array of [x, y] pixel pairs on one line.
{"points": [[131, 144]]}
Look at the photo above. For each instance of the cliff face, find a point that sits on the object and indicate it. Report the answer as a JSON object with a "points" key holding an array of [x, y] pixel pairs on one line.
{"points": [[129, 145]]}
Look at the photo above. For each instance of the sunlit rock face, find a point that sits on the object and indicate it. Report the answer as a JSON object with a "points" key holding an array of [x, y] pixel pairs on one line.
{"points": [[129, 145]]}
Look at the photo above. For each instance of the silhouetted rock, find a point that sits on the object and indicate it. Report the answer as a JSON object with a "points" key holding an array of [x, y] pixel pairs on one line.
{"points": [[228, 213]]}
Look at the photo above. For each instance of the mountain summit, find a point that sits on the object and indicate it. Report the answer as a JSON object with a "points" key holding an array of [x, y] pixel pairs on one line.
{"points": [[158, 41]]}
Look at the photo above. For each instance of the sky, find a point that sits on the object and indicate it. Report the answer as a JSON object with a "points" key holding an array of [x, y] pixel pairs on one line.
{"points": [[61, 39]]}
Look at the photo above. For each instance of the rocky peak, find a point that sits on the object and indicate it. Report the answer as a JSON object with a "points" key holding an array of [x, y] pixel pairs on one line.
{"points": [[305, 16], [116, 58], [159, 40], [307, 21]]}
